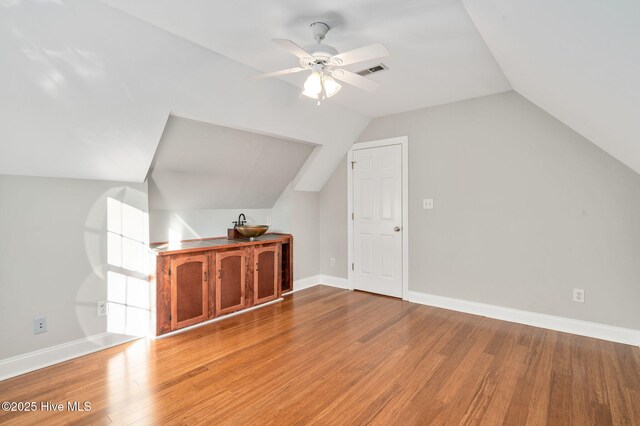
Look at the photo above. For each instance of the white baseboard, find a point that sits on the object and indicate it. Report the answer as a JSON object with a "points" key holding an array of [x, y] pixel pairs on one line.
{"points": [[567, 325], [21, 364], [315, 280], [334, 281], [304, 283]]}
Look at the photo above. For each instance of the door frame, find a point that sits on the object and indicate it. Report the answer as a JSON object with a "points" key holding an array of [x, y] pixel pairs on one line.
{"points": [[403, 141]]}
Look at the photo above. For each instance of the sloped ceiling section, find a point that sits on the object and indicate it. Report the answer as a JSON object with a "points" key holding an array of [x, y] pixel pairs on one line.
{"points": [[437, 55], [86, 91], [577, 59], [203, 166]]}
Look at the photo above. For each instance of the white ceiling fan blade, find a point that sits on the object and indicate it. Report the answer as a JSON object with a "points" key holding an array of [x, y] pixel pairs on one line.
{"points": [[292, 47], [277, 73], [370, 51], [355, 80]]}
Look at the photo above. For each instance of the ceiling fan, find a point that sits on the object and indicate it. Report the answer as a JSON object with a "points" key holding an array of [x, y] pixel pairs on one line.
{"points": [[322, 60]]}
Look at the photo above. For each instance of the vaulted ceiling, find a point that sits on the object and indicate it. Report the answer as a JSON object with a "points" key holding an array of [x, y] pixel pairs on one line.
{"points": [[86, 90], [579, 60], [86, 86], [203, 166], [437, 55]]}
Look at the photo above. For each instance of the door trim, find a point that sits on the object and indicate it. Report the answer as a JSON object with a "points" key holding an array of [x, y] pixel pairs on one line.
{"points": [[403, 141]]}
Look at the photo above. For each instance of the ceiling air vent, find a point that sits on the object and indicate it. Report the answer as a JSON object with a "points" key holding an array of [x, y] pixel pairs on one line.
{"points": [[375, 68]]}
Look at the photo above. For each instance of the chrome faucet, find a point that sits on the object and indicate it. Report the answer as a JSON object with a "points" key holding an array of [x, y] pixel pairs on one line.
{"points": [[242, 219]]}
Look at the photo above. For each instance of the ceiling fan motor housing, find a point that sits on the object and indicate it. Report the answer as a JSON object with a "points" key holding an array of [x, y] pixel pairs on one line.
{"points": [[319, 52]]}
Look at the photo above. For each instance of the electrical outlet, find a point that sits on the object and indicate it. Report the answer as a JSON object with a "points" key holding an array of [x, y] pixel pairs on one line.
{"points": [[39, 325], [578, 295], [427, 203], [103, 309], [333, 262]]}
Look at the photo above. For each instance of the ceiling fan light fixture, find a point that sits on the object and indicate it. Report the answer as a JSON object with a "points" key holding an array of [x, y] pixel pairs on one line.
{"points": [[313, 85], [331, 87]]}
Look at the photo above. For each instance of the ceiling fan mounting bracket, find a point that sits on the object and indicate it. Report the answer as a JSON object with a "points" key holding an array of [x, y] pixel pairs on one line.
{"points": [[319, 30]]}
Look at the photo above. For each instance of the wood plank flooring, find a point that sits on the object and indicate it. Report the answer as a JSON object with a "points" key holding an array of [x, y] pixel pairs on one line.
{"points": [[332, 357]]}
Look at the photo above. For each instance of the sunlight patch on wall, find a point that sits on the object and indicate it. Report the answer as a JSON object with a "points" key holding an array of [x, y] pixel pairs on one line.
{"points": [[128, 256], [174, 237]]}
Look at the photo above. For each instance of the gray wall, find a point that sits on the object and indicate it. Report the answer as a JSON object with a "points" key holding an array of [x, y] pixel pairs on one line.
{"points": [[333, 223], [199, 223], [296, 212], [53, 257], [525, 210], [305, 230]]}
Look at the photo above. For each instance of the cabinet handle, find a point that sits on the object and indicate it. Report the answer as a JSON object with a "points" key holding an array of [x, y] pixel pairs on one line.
{"points": [[257, 266], [205, 275]]}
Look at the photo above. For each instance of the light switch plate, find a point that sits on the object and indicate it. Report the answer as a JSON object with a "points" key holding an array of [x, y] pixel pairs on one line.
{"points": [[427, 203]]}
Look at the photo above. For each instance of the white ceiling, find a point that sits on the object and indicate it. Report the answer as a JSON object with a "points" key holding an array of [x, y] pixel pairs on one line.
{"points": [[203, 166], [579, 60], [437, 55], [86, 88], [85, 92]]}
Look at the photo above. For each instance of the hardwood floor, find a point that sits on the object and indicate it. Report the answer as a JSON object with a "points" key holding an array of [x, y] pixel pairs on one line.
{"points": [[329, 356]]}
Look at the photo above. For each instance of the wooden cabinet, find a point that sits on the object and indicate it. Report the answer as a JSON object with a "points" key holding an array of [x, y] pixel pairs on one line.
{"points": [[189, 290], [203, 279], [266, 277], [286, 266], [231, 280]]}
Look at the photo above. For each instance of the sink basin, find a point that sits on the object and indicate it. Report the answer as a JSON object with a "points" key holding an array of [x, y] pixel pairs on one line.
{"points": [[251, 231]]}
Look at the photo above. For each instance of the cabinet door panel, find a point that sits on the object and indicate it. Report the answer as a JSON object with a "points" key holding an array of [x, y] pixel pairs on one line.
{"points": [[266, 276], [231, 281], [188, 290]]}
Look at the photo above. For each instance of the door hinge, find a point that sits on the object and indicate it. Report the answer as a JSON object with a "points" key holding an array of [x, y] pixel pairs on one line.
{"points": [[353, 165], [353, 266], [169, 271], [170, 317], [353, 216]]}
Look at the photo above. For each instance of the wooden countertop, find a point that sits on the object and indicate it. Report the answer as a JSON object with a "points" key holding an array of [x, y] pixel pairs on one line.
{"points": [[187, 246]]}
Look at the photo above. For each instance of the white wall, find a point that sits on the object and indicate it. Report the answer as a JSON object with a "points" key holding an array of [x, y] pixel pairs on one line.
{"points": [[525, 210], [53, 257]]}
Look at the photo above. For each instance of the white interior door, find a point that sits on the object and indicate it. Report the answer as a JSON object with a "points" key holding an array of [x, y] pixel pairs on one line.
{"points": [[377, 220]]}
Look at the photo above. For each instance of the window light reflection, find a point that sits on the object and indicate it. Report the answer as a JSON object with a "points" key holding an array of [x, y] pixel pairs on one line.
{"points": [[128, 256]]}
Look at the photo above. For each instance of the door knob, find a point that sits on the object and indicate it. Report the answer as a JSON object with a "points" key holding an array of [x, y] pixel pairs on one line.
{"points": [[397, 229]]}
